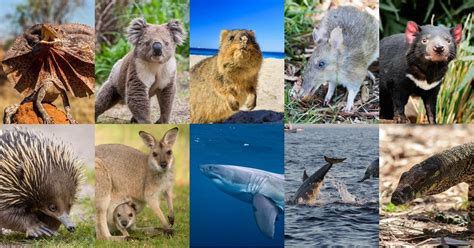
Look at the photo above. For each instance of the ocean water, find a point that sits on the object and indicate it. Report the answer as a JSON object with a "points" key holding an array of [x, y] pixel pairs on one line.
{"points": [[218, 219], [212, 52], [346, 213]]}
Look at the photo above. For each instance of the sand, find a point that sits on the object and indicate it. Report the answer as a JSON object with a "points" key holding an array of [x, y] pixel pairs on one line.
{"points": [[270, 83]]}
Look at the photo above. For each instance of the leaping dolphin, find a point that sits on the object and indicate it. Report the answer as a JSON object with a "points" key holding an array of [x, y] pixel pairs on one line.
{"points": [[263, 189], [372, 171], [308, 191]]}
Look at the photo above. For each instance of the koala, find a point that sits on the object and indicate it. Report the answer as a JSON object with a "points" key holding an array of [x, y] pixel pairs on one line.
{"points": [[148, 70]]}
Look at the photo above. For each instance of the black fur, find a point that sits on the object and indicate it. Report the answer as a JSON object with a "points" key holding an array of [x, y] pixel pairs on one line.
{"points": [[398, 58]]}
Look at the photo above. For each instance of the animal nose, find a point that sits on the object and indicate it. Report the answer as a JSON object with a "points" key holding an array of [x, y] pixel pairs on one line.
{"points": [[71, 228], [157, 48], [163, 164], [439, 48], [124, 223]]}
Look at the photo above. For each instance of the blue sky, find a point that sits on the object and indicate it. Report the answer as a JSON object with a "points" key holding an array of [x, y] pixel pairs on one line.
{"points": [[85, 14], [209, 17]]}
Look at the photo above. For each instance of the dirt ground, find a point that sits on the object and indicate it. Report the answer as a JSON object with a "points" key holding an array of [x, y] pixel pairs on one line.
{"points": [[401, 147], [180, 114]]}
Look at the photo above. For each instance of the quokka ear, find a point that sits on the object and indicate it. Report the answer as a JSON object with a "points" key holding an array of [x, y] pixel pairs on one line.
{"points": [[224, 34], [148, 139], [411, 31], [136, 30], [177, 31], [170, 136]]}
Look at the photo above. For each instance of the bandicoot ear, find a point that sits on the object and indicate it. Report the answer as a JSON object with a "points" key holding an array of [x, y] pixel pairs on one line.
{"points": [[177, 31], [336, 39], [456, 32], [136, 30], [148, 139], [170, 136], [411, 31]]}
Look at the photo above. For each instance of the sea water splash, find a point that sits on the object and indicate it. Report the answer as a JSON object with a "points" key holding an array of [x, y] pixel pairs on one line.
{"points": [[345, 195]]}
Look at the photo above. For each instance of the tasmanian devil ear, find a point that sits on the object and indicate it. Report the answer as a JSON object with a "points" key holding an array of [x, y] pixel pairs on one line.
{"points": [[177, 31], [411, 31], [136, 30], [224, 34], [336, 39], [148, 139], [170, 136], [456, 32]]}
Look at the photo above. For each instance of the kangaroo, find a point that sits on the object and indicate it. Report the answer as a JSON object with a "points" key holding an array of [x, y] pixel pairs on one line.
{"points": [[124, 218], [124, 172]]}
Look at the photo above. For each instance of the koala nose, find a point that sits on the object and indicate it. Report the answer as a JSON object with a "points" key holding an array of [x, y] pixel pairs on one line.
{"points": [[157, 49], [438, 48], [124, 223], [163, 164]]}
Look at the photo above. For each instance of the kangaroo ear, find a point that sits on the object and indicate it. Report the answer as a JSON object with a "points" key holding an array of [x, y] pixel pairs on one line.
{"points": [[170, 136], [132, 205], [336, 39], [148, 139], [177, 31], [411, 31], [136, 30]]}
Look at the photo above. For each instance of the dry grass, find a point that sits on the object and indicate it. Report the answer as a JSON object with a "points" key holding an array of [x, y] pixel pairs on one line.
{"points": [[401, 147]]}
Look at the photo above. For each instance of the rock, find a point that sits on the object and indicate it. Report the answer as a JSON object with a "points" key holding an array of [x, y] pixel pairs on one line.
{"points": [[257, 116], [26, 114]]}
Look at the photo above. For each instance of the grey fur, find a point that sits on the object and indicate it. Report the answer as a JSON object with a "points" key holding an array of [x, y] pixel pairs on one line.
{"points": [[142, 73], [345, 58]]}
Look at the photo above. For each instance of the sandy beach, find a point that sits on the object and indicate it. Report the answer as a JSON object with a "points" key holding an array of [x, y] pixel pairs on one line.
{"points": [[270, 83]]}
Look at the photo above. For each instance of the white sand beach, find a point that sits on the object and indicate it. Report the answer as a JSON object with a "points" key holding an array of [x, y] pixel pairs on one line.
{"points": [[270, 91]]}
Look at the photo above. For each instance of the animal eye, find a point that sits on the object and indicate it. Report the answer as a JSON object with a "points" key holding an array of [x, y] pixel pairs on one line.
{"points": [[321, 64], [52, 208], [231, 38], [118, 215], [424, 40], [448, 40], [155, 154], [130, 215], [169, 152]]}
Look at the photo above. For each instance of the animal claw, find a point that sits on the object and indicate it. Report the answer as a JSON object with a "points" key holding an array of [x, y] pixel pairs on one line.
{"points": [[171, 220]]}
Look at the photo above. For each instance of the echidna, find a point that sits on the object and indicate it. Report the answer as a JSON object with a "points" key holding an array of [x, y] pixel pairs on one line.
{"points": [[39, 179]]}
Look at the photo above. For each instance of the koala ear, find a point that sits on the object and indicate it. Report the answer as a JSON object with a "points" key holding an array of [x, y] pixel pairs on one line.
{"points": [[148, 139], [336, 39], [136, 30], [224, 34], [177, 31]]}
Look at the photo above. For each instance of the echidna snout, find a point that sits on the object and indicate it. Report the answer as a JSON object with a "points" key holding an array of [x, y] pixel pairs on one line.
{"points": [[39, 179]]}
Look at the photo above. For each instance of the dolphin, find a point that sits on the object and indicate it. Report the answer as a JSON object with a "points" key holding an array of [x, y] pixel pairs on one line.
{"points": [[308, 191], [372, 171], [263, 189]]}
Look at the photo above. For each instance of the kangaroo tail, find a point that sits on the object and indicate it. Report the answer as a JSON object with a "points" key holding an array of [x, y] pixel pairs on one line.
{"points": [[334, 160]]}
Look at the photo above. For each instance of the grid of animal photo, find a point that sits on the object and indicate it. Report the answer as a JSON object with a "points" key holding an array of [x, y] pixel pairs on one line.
{"points": [[237, 123]]}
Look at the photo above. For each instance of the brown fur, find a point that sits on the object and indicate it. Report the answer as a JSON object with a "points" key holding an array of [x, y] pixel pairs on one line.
{"points": [[123, 172], [222, 84], [141, 74], [124, 218]]}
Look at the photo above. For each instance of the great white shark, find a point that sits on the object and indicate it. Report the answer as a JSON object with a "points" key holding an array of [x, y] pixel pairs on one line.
{"points": [[309, 190], [262, 189]]}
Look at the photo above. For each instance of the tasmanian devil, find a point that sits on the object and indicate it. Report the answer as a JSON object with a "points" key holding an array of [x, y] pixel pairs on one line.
{"points": [[415, 63]]}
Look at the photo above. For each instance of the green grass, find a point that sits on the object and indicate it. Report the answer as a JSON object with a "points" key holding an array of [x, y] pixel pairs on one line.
{"points": [[391, 208], [148, 219]]}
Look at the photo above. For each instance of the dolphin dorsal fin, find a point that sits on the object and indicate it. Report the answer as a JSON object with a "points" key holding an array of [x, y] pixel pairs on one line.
{"points": [[265, 213], [334, 160], [305, 176]]}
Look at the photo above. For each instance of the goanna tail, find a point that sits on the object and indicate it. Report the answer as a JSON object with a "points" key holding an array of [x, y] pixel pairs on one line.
{"points": [[334, 160]]}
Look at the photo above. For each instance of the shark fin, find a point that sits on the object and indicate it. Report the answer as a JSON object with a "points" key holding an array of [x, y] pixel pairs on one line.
{"points": [[305, 176], [265, 213], [334, 160]]}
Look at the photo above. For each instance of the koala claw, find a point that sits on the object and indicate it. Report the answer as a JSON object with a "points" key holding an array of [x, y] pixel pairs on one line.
{"points": [[48, 120], [171, 220]]}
